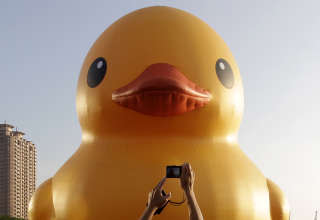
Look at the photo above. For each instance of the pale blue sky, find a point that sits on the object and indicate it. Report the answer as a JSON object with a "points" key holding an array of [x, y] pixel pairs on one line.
{"points": [[276, 45]]}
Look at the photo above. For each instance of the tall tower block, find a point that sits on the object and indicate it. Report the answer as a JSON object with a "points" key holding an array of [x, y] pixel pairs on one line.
{"points": [[18, 158]]}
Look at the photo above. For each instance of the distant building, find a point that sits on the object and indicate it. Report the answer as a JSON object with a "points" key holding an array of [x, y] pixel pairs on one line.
{"points": [[18, 158]]}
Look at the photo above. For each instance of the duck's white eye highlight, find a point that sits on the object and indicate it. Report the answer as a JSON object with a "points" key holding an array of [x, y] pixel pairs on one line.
{"points": [[221, 65], [224, 72], [100, 64]]}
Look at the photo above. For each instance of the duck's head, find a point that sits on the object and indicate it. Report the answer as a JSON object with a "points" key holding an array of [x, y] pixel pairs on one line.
{"points": [[159, 72]]}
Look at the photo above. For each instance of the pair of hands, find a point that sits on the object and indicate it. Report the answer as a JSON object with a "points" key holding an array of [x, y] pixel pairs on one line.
{"points": [[157, 200]]}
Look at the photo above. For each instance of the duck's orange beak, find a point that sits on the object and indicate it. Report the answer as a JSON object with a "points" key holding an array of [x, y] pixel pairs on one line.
{"points": [[161, 90]]}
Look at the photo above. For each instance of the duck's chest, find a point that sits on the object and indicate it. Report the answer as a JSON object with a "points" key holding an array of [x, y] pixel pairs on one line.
{"points": [[114, 183]]}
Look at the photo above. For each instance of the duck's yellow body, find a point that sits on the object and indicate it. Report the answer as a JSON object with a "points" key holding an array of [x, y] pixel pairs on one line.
{"points": [[127, 142]]}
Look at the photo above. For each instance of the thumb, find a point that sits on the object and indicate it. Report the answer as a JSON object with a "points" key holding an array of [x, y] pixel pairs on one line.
{"points": [[168, 196]]}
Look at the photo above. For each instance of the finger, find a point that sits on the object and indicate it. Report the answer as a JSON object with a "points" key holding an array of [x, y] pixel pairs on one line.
{"points": [[192, 173], [152, 193], [185, 167], [188, 168], [160, 184], [168, 196], [185, 170], [182, 171], [150, 196], [185, 164]]}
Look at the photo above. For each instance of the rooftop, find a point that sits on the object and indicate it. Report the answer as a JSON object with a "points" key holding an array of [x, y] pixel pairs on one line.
{"points": [[5, 125]]}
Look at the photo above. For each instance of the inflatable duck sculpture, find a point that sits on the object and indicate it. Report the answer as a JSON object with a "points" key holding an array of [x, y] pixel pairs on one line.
{"points": [[159, 87]]}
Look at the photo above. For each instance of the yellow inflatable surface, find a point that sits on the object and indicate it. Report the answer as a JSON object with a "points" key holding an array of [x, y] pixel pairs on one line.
{"points": [[159, 87]]}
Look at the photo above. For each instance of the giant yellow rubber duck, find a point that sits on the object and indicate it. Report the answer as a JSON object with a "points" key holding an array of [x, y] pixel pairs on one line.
{"points": [[159, 87]]}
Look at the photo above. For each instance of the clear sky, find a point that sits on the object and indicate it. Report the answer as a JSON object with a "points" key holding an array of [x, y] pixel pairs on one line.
{"points": [[276, 45]]}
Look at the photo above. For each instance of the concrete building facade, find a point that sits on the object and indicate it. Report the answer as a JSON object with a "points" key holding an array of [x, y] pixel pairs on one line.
{"points": [[18, 158]]}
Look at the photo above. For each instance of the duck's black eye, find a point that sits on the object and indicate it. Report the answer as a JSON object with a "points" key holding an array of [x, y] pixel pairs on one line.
{"points": [[96, 72], [224, 73]]}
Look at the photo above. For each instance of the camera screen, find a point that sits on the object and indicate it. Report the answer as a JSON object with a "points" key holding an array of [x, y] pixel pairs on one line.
{"points": [[173, 171]]}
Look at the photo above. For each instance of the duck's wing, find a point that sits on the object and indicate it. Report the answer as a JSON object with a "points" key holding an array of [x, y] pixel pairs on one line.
{"points": [[279, 207], [41, 204]]}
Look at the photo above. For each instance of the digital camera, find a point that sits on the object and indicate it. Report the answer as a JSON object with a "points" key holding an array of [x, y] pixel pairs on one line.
{"points": [[174, 171]]}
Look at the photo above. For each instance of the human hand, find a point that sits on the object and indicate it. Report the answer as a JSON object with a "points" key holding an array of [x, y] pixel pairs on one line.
{"points": [[155, 198], [187, 178]]}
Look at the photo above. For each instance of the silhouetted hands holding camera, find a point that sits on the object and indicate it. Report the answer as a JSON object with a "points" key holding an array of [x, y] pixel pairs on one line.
{"points": [[157, 200]]}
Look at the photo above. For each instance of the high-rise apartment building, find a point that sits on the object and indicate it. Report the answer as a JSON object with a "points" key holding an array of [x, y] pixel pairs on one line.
{"points": [[18, 158]]}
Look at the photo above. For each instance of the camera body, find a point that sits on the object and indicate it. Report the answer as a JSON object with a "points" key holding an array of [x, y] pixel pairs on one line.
{"points": [[174, 171]]}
